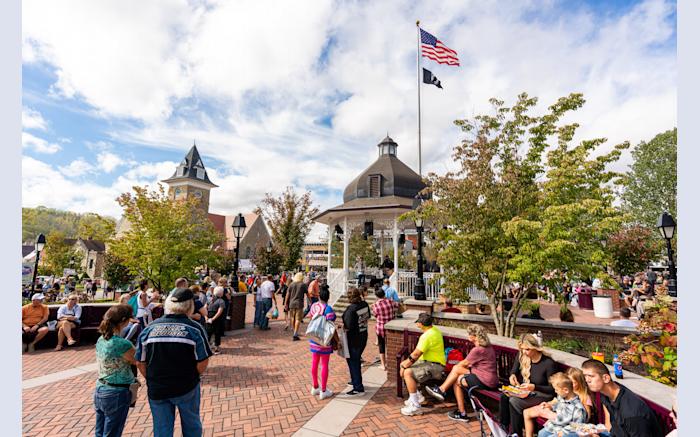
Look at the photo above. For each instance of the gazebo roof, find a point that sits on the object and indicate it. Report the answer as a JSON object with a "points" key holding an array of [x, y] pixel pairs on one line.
{"points": [[390, 204]]}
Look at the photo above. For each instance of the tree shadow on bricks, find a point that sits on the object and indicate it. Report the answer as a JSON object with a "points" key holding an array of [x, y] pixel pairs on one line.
{"points": [[240, 377]]}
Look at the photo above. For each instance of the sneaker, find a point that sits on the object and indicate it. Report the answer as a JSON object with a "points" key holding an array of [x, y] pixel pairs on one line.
{"points": [[435, 392], [30, 348], [295, 338], [411, 410], [325, 394], [354, 393], [456, 415], [421, 399], [315, 391]]}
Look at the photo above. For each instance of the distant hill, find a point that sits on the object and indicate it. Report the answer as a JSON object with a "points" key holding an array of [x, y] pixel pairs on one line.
{"points": [[72, 225]]}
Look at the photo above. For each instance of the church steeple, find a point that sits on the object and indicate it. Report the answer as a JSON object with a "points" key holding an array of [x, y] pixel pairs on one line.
{"points": [[191, 179]]}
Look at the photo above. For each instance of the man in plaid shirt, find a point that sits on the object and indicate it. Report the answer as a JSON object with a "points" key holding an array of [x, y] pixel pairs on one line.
{"points": [[384, 311]]}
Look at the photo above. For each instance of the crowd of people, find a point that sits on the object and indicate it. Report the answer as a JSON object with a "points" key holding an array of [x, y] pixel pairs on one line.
{"points": [[171, 353]]}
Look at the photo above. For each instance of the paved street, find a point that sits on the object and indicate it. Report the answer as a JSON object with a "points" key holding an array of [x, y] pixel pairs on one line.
{"points": [[258, 386]]}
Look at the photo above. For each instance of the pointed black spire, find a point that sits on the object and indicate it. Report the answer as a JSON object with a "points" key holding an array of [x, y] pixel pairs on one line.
{"points": [[192, 168]]}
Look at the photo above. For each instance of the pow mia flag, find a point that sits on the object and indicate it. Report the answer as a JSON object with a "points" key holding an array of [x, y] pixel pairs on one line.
{"points": [[430, 78]]}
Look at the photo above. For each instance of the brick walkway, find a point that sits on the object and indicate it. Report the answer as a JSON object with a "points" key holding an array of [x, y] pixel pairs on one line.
{"points": [[258, 386]]}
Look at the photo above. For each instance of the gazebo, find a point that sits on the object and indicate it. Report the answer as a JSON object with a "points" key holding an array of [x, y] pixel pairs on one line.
{"points": [[373, 202]]}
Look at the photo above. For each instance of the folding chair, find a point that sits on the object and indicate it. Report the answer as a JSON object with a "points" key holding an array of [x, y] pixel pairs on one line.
{"points": [[484, 415]]}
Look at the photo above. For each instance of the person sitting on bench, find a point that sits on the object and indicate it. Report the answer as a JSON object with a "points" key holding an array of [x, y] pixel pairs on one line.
{"points": [[426, 362], [68, 317], [34, 318], [478, 369], [534, 368]]}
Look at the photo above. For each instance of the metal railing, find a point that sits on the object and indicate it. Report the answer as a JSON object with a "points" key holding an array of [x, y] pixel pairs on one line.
{"points": [[407, 279]]}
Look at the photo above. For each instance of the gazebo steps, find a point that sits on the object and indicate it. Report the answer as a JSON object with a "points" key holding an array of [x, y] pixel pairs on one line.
{"points": [[342, 303]]}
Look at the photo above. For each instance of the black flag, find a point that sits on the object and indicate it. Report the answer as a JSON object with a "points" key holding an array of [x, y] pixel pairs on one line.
{"points": [[430, 78]]}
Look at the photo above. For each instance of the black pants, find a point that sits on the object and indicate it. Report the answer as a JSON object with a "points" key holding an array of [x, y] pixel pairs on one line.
{"points": [[355, 362], [512, 408], [216, 330], [382, 344]]}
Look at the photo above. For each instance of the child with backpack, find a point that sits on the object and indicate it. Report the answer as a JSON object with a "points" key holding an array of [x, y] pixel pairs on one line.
{"points": [[321, 354]]}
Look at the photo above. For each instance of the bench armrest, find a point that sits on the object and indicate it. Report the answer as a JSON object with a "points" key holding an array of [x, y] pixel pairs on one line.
{"points": [[403, 353]]}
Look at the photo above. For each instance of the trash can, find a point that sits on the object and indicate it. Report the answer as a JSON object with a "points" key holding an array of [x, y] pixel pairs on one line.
{"points": [[585, 301], [602, 307]]}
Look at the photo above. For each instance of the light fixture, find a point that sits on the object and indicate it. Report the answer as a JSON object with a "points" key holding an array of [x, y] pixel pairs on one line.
{"points": [[40, 243], [238, 225], [666, 225]]}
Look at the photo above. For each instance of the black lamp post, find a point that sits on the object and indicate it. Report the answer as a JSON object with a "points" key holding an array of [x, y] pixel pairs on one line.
{"points": [[238, 230], [667, 227], [38, 247], [419, 288]]}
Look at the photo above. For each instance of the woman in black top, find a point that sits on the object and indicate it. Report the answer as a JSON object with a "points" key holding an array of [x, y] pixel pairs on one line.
{"points": [[355, 321], [530, 372]]}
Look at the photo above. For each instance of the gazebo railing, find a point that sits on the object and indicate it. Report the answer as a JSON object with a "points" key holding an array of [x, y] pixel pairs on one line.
{"points": [[408, 279], [337, 281]]}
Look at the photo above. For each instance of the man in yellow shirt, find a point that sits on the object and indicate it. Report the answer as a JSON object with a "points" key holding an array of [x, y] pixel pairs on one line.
{"points": [[426, 362], [34, 318], [242, 288]]}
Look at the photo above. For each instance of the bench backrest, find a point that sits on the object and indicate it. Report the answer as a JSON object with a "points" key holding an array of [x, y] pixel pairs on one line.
{"points": [[505, 358]]}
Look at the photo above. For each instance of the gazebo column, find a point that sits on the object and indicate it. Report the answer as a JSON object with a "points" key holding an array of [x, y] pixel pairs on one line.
{"points": [[330, 240], [396, 244], [346, 254]]}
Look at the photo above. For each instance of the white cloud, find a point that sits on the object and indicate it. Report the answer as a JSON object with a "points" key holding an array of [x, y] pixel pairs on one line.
{"points": [[39, 145], [250, 83], [76, 169], [109, 161], [32, 119]]}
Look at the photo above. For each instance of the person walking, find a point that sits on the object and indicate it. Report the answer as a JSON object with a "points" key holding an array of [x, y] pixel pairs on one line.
{"points": [[355, 321], [321, 354], [314, 288], [295, 302], [172, 353], [284, 287], [215, 319], [360, 271], [115, 356], [267, 296]]}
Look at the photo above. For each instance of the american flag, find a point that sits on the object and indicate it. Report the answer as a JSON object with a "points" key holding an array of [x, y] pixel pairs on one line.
{"points": [[433, 48]]}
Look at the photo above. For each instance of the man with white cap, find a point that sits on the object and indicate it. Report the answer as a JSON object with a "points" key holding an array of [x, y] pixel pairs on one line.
{"points": [[34, 318]]}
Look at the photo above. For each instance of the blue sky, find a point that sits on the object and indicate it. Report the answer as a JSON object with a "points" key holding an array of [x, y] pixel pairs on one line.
{"points": [[115, 94]]}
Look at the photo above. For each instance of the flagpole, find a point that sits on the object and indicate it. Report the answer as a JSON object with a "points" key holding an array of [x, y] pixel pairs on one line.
{"points": [[420, 173]]}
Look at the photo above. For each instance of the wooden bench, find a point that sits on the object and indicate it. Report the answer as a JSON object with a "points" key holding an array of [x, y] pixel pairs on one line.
{"points": [[90, 320], [505, 358]]}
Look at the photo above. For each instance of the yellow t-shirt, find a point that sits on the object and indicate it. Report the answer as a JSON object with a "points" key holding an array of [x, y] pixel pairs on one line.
{"points": [[242, 287], [432, 346]]}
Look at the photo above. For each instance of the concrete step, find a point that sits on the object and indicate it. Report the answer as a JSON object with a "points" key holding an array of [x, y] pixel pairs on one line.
{"points": [[343, 303]]}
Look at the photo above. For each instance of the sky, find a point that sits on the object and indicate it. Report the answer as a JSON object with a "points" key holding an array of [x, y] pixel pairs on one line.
{"points": [[299, 94]]}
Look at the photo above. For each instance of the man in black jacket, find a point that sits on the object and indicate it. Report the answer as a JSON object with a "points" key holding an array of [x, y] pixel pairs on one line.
{"points": [[355, 321], [627, 415]]}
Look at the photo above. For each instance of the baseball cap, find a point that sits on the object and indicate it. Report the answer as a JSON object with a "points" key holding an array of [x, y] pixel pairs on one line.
{"points": [[37, 296], [425, 319], [181, 295]]}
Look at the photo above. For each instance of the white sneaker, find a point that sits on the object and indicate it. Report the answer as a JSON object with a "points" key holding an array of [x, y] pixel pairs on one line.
{"points": [[315, 391], [411, 410], [325, 394], [421, 400]]}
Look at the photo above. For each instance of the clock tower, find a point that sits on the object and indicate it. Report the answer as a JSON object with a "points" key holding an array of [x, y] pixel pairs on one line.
{"points": [[191, 180]]}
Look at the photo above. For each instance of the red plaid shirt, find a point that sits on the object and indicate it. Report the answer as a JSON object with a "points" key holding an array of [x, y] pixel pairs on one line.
{"points": [[384, 310]]}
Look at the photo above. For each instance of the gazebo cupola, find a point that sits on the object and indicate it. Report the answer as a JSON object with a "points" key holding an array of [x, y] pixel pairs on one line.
{"points": [[387, 147]]}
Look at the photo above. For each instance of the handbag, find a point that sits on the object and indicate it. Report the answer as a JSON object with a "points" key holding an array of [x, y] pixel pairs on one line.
{"points": [[343, 349], [320, 330], [335, 341], [51, 324], [402, 308]]}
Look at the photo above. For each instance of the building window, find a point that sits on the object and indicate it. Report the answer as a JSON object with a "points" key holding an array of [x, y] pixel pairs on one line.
{"points": [[92, 263], [375, 185], [181, 171], [200, 173]]}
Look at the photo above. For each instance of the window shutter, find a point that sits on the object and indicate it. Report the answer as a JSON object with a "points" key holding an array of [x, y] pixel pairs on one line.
{"points": [[375, 186]]}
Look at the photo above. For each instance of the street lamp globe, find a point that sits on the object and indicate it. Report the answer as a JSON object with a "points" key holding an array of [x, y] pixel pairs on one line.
{"points": [[666, 225], [419, 222], [40, 243], [238, 225]]}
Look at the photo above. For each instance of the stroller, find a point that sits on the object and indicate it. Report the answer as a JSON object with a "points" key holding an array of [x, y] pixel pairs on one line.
{"points": [[484, 415]]}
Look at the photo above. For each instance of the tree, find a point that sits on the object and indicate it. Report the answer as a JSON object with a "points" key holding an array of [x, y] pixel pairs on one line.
{"points": [[167, 239], [267, 263], [358, 246], [651, 183], [632, 248], [96, 227], [290, 217], [116, 272], [499, 222], [58, 253]]}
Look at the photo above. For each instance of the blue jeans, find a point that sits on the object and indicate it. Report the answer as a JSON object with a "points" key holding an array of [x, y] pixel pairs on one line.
{"points": [[266, 304], [163, 412], [111, 409], [258, 310], [355, 365]]}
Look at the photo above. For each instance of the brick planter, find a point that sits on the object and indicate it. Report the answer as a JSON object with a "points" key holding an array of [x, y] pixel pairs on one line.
{"points": [[237, 312]]}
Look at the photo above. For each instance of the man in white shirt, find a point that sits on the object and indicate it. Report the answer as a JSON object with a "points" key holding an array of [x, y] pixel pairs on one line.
{"points": [[625, 319], [267, 296]]}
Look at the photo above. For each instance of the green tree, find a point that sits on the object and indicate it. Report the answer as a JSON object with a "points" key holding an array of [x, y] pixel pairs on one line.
{"points": [[267, 263], [358, 246], [632, 248], [58, 253], [500, 220], [290, 217], [116, 272], [96, 227], [167, 239], [651, 183]]}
